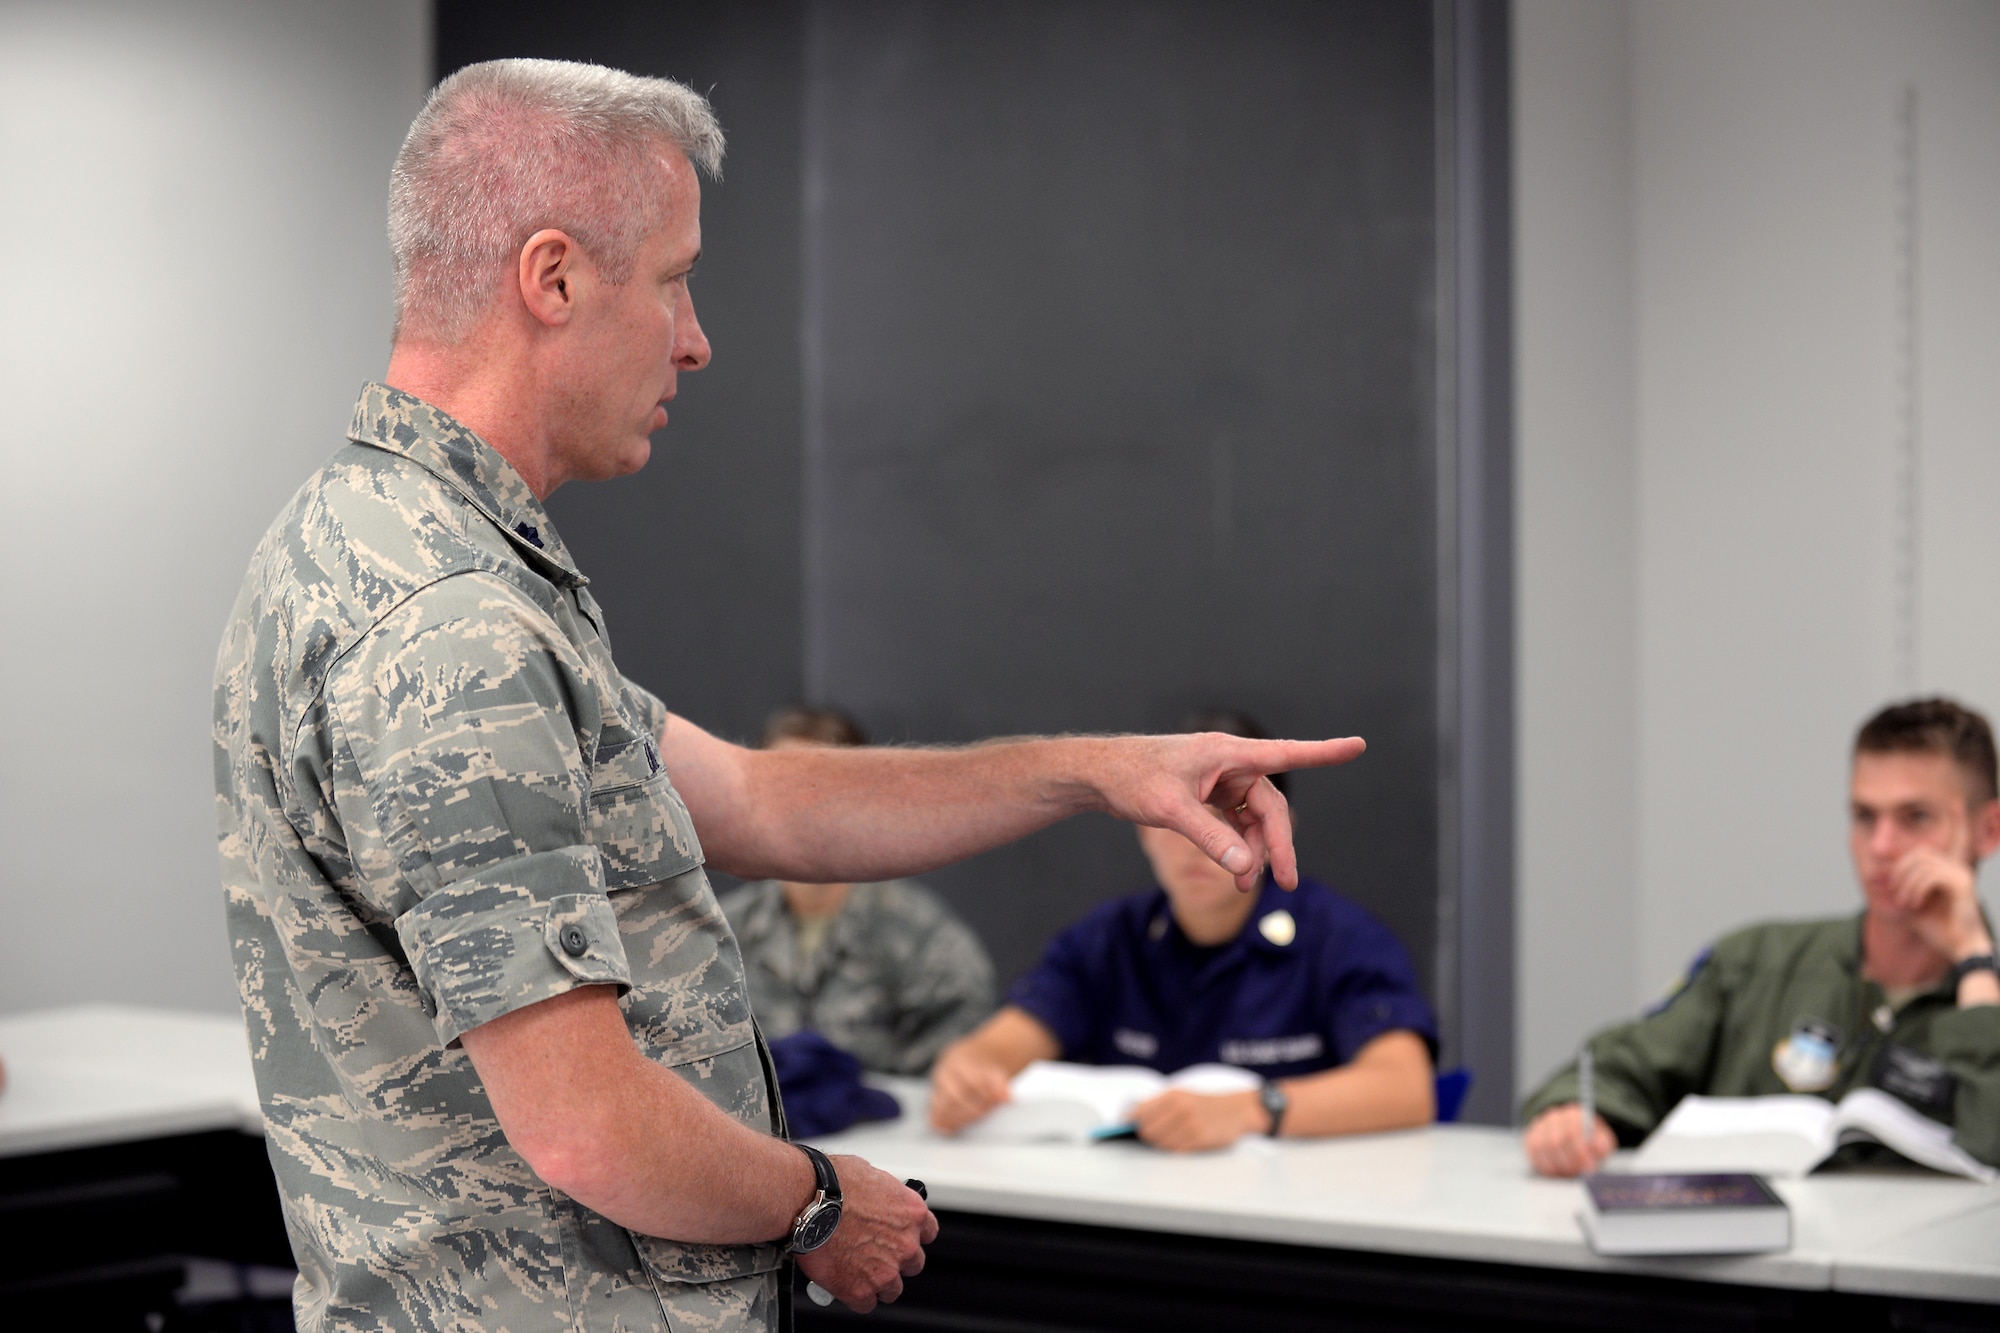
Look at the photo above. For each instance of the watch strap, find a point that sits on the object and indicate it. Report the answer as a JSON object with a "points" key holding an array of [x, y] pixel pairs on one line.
{"points": [[829, 1183], [1979, 962], [1275, 1104]]}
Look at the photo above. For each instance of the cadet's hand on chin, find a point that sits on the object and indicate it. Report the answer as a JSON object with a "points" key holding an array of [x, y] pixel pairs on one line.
{"points": [[884, 1226], [1941, 895], [1182, 1121]]}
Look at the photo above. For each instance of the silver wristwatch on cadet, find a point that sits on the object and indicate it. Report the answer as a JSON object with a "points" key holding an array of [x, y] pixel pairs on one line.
{"points": [[821, 1214], [1275, 1103]]}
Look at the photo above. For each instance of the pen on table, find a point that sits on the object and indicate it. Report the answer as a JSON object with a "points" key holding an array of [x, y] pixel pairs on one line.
{"points": [[820, 1295], [1586, 1096]]}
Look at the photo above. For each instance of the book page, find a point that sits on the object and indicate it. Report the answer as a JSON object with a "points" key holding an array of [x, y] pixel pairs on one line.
{"points": [[1781, 1136], [1214, 1078], [1054, 1100], [1870, 1113]]}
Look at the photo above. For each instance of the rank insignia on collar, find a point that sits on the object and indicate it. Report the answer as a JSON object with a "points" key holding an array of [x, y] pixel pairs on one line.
{"points": [[1806, 1061]]}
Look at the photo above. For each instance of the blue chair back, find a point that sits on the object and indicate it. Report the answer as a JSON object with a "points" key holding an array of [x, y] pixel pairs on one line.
{"points": [[1452, 1085]]}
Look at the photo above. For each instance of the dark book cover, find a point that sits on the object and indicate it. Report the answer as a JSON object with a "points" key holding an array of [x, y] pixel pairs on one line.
{"points": [[1725, 1189]]}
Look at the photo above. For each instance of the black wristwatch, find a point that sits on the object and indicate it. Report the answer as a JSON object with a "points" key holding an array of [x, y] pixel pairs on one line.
{"points": [[1979, 962], [821, 1215], [1276, 1103]]}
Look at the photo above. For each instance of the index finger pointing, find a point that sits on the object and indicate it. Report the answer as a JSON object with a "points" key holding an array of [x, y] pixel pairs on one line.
{"points": [[1318, 754]]}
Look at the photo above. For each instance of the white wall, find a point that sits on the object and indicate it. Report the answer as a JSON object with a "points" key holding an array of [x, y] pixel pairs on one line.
{"points": [[1577, 631], [1763, 348], [198, 282]]}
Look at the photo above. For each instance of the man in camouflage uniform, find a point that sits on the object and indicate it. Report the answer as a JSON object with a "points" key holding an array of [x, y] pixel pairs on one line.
{"points": [[509, 1071], [1904, 997]]}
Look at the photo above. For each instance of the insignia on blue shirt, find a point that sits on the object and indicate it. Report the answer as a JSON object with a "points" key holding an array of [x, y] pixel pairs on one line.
{"points": [[1278, 927]]}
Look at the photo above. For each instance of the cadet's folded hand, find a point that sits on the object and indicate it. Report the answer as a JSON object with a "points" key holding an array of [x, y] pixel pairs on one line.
{"points": [[1941, 895], [965, 1085], [884, 1225], [1182, 1121], [1558, 1145]]}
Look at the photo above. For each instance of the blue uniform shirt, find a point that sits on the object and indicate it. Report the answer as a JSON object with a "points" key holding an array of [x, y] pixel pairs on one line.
{"points": [[1124, 986]]}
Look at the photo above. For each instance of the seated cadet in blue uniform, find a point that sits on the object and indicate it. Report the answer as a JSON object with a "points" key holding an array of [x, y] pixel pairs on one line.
{"points": [[1303, 988]]}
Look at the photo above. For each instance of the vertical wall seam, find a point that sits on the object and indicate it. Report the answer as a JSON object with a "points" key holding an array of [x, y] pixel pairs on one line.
{"points": [[1909, 439], [1446, 425], [813, 666]]}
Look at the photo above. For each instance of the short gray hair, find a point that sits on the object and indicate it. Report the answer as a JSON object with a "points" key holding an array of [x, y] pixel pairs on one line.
{"points": [[506, 148]]}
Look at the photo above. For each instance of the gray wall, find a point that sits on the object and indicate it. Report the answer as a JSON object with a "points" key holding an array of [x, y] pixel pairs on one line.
{"points": [[199, 283], [1127, 407]]}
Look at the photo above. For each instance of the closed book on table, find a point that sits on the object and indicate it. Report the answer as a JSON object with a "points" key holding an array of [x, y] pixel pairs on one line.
{"points": [[1723, 1213]]}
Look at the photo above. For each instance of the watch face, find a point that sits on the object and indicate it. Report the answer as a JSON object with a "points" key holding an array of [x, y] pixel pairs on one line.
{"points": [[815, 1228]]}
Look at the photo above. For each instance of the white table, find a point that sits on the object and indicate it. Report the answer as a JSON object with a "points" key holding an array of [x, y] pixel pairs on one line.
{"points": [[1455, 1192], [96, 1074]]}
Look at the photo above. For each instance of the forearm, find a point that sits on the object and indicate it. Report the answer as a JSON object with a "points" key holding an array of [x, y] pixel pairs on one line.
{"points": [[1981, 986], [1011, 1040], [627, 1138], [831, 815], [1388, 1086], [825, 815], [668, 1162]]}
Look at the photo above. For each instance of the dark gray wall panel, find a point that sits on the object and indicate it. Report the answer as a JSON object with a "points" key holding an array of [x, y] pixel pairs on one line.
{"points": [[1119, 395]]}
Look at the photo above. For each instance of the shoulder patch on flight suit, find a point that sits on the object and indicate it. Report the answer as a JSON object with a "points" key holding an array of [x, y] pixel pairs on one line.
{"points": [[1687, 978], [1808, 1059]]}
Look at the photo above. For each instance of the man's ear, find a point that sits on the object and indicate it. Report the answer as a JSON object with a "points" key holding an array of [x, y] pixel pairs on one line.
{"points": [[1986, 829], [548, 272]]}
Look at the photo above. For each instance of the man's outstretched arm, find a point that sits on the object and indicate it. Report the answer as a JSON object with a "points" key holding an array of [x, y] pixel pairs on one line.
{"points": [[828, 815]]}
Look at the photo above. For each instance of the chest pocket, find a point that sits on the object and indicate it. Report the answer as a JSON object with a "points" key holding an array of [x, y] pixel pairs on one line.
{"points": [[638, 822]]}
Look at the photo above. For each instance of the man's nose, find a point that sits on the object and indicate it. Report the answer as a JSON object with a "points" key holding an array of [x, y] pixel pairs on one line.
{"points": [[690, 343]]}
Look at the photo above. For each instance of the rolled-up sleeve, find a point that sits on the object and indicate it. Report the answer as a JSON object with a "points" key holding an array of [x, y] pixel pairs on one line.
{"points": [[466, 714], [1377, 992]]}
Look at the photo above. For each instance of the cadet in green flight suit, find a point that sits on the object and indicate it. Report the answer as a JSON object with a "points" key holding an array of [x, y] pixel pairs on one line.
{"points": [[1903, 996]]}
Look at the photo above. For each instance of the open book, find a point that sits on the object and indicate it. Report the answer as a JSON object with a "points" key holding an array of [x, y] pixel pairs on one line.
{"points": [[1054, 1101], [1789, 1136]]}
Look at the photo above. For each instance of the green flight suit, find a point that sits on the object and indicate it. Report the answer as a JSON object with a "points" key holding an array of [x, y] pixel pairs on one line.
{"points": [[1719, 1034]]}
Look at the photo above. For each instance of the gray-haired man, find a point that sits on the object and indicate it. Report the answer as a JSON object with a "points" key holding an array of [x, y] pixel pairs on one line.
{"points": [[508, 1068]]}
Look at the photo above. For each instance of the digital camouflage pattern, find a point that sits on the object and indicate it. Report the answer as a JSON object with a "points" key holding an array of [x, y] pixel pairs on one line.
{"points": [[439, 801], [896, 978]]}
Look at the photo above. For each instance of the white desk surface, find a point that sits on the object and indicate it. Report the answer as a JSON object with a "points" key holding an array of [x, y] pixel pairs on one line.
{"points": [[1451, 1191], [1953, 1258], [99, 1074], [96, 1074]]}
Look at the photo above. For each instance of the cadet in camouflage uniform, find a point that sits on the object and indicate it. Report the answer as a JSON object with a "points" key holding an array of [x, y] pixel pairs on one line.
{"points": [[884, 971], [1903, 997], [895, 976], [509, 1071]]}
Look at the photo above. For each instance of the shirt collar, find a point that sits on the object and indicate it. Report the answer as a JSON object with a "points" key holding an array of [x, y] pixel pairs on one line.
{"points": [[392, 420], [1271, 897]]}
